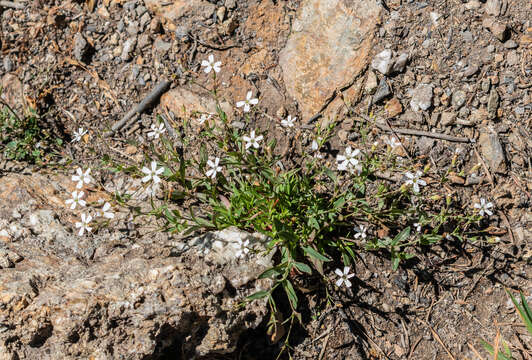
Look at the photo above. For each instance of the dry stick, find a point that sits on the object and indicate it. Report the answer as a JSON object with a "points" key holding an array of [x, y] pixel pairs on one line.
{"points": [[475, 351], [438, 339], [12, 5], [418, 132], [153, 96]]}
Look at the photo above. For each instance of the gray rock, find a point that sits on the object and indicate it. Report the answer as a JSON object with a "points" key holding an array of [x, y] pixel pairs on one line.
{"points": [[421, 97], [498, 29], [81, 47], [448, 118], [382, 62], [510, 44], [495, 7], [144, 20], [493, 104], [162, 46], [467, 36], [485, 85], [492, 150], [458, 99], [141, 10], [400, 63], [133, 28], [8, 64], [230, 4], [382, 91], [121, 25], [128, 49], [470, 71]]}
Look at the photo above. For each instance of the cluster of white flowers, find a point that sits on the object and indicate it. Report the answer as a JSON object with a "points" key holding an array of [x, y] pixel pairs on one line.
{"points": [[349, 161], [82, 178]]}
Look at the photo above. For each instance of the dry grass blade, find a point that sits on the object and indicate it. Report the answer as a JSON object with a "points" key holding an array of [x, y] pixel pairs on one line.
{"points": [[438, 339]]}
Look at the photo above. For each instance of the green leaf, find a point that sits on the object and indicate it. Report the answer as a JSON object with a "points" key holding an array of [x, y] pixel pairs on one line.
{"points": [[258, 295], [313, 253], [291, 293], [303, 267], [402, 236], [270, 273]]}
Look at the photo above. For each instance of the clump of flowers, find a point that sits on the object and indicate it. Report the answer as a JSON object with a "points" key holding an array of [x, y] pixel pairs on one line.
{"points": [[289, 121], [214, 168]]}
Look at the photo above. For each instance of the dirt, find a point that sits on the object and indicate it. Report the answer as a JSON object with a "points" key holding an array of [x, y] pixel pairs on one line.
{"points": [[468, 72]]}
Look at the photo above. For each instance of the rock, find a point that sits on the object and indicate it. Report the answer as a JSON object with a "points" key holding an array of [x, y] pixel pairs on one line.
{"points": [[492, 150], [8, 64], [230, 4], [12, 91], [400, 63], [393, 107], [180, 11], [495, 7], [131, 300], [382, 91], [421, 98], [187, 101], [128, 49], [497, 28], [383, 62], [478, 116], [327, 48], [162, 46], [371, 83], [493, 104], [447, 118], [458, 99], [470, 71], [81, 47], [472, 5], [220, 13], [510, 44]]}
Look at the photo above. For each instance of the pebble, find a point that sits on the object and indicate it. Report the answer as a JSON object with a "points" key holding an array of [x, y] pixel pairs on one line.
{"points": [[393, 107], [510, 44], [495, 7], [485, 85], [144, 20], [458, 99], [141, 10], [220, 13], [120, 26], [127, 50], [162, 46], [497, 28], [467, 36], [382, 91], [493, 104], [383, 62], [133, 28], [8, 64], [492, 150], [448, 118], [421, 97], [400, 63], [230, 4], [80, 47], [144, 40], [434, 16], [473, 5], [371, 83], [470, 70]]}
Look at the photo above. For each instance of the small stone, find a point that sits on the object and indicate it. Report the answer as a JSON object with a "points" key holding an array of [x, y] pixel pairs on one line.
{"points": [[144, 20], [382, 91], [421, 98], [492, 151], [485, 85], [510, 44], [434, 16], [459, 98], [383, 62], [393, 107], [230, 4], [497, 28], [117, 51], [128, 48], [371, 83], [493, 104], [448, 118], [141, 10], [121, 25], [477, 116], [155, 25], [400, 63], [495, 7], [512, 58], [8, 64], [467, 36], [472, 5], [144, 40], [220, 13], [133, 28], [162, 46], [80, 47], [470, 70]]}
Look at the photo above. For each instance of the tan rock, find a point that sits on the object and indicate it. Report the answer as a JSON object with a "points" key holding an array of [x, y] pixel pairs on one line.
{"points": [[191, 101], [393, 107], [329, 46], [12, 91], [174, 11]]}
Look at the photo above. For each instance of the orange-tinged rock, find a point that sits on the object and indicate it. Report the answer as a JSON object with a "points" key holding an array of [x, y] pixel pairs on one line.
{"points": [[330, 44], [393, 107]]}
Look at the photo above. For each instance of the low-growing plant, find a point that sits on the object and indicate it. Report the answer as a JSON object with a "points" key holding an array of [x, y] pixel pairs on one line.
{"points": [[25, 138]]}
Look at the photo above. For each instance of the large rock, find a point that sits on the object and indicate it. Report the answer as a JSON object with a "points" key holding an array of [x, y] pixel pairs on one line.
{"points": [[106, 297], [329, 46], [175, 11]]}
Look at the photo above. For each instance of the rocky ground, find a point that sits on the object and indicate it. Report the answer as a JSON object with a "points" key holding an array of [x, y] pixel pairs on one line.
{"points": [[455, 70]]}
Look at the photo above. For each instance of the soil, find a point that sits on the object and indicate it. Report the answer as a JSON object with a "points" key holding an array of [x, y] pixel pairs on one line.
{"points": [[69, 60]]}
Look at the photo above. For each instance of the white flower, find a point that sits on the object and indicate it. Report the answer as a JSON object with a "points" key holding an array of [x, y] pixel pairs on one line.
{"points": [[84, 224], [315, 147], [484, 207], [242, 248], [344, 277], [252, 140], [289, 121], [392, 142], [418, 227], [415, 180], [210, 64], [214, 168], [361, 232], [203, 118], [156, 131], [78, 134], [105, 211], [249, 101], [349, 160], [152, 174], [76, 199], [82, 177]]}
